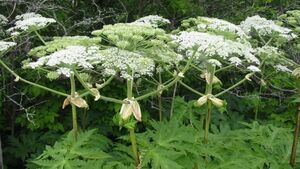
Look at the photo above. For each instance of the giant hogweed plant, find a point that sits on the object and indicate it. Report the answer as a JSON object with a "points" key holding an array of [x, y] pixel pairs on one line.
{"points": [[141, 49]]}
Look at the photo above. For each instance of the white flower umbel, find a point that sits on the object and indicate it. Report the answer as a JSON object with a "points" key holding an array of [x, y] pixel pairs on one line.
{"points": [[253, 68], [3, 20], [118, 60], [265, 27], [205, 23], [214, 45], [140, 39], [152, 20], [6, 45], [30, 22], [70, 57]]}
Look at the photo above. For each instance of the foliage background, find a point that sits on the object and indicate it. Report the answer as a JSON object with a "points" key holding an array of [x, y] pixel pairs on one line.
{"points": [[30, 118]]}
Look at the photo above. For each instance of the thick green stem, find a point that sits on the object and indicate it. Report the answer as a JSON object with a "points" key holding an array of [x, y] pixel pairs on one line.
{"points": [[296, 133], [131, 130], [134, 147], [209, 87], [74, 111], [173, 100], [31, 83]]}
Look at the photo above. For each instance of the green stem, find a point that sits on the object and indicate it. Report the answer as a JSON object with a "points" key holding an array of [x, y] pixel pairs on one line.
{"points": [[177, 78], [40, 37], [82, 82], [296, 133], [233, 86], [74, 111], [173, 100], [134, 147], [224, 68], [131, 130], [160, 99], [209, 87], [31, 83], [189, 88]]}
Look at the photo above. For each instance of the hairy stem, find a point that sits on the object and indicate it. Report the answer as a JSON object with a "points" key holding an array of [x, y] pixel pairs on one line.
{"points": [[31, 83], [209, 86], [131, 130], [74, 111]]}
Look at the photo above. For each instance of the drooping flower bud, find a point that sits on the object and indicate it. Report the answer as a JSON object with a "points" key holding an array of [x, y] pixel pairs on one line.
{"points": [[201, 101], [132, 107]]}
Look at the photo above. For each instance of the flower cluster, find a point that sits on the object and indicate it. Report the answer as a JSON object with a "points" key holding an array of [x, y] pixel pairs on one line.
{"points": [[153, 42], [214, 45], [59, 43], [272, 56], [214, 25], [67, 59], [6, 45], [128, 64], [3, 20], [29, 22], [265, 27], [151, 20]]}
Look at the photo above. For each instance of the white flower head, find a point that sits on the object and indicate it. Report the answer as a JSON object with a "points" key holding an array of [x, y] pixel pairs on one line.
{"points": [[253, 68], [71, 56], [214, 45], [129, 64], [6, 45], [30, 22], [265, 27], [221, 25], [151, 20]]}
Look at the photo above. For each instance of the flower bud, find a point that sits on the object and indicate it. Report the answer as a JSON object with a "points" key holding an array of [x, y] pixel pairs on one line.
{"points": [[217, 102], [201, 101]]}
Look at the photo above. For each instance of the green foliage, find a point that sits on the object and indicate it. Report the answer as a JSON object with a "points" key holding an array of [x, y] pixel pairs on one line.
{"points": [[84, 152]]}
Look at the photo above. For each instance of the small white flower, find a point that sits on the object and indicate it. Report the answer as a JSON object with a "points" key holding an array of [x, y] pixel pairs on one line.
{"points": [[253, 68], [215, 62], [3, 20], [235, 61], [6, 45], [64, 71]]}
